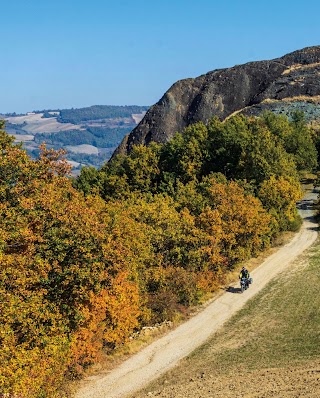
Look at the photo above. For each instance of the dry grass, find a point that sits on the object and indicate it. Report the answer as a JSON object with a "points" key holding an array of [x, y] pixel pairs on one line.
{"points": [[137, 117], [36, 124], [300, 67], [83, 148], [305, 98]]}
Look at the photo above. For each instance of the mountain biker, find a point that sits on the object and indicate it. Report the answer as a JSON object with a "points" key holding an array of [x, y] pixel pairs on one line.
{"points": [[244, 275]]}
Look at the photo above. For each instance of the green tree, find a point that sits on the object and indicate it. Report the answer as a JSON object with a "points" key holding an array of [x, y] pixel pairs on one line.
{"points": [[297, 138], [184, 154]]}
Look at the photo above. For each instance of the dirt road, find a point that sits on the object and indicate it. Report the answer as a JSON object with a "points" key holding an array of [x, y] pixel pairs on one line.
{"points": [[165, 353]]}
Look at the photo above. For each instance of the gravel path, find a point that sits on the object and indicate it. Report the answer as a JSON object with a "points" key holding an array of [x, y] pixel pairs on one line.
{"points": [[164, 354]]}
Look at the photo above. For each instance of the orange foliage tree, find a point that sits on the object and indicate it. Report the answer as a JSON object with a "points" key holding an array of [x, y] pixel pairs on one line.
{"points": [[242, 224], [279, 196], [65, 278]]}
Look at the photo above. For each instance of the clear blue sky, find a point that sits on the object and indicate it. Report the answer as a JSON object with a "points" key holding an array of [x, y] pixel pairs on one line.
{"points": [[63, 54]]}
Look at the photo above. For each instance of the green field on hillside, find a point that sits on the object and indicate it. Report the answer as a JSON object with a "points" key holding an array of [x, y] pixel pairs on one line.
{"points": [[280, 326]]}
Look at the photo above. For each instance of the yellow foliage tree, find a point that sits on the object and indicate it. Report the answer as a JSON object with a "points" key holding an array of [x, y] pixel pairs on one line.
{"points": [[279, 196]]}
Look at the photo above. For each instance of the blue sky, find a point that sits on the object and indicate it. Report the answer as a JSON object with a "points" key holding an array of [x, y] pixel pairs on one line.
{"points": [[64, 54]]}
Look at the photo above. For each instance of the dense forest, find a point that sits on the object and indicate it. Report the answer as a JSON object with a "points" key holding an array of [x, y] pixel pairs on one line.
{"points": [[86, 262], [106, 139], [76, 116], [102, 137]]}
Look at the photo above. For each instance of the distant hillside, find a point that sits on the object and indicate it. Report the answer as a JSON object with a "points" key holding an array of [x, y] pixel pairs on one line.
{"points": [[99, 112], [90, 135], [281, 84]]}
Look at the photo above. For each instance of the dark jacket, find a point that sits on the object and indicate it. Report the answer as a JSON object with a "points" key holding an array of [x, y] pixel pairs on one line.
{"points": [[244, 273]]}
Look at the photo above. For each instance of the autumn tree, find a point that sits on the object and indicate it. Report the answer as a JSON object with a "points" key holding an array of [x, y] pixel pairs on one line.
{"points": [[279, 196], [62, 275], [237, 218]]}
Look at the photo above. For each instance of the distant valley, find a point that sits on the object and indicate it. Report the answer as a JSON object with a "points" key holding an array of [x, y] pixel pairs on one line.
{"points": [[89, 135]]}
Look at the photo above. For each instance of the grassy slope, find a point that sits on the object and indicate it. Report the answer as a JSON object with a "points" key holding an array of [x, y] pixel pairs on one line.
{"points": [[273, 344]]}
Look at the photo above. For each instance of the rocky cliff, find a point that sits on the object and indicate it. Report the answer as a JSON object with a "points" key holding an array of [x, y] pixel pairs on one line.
{"points": [[280, 84]]}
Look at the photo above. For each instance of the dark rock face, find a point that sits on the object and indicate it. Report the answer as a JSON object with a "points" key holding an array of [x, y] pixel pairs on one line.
{"points": [[222, 92]]}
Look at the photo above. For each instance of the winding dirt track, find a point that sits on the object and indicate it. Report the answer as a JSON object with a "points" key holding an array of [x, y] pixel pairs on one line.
{"points": [[165, 353]]}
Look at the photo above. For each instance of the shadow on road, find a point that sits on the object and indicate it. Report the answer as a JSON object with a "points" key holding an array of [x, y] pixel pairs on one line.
{"points": [[306, 204], [312, 220], [313, 229], [231, 289]]}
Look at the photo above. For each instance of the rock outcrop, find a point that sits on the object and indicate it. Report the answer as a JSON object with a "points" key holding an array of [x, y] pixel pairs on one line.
{"points": [[248, 88]]}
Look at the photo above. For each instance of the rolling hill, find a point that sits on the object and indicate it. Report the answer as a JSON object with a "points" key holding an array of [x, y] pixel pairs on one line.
{"points": [[89, 135]]}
